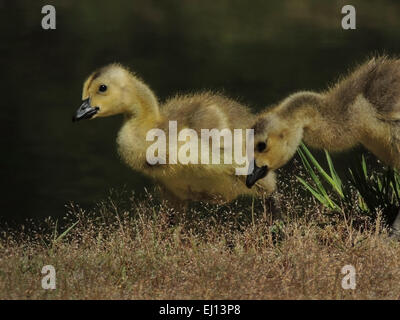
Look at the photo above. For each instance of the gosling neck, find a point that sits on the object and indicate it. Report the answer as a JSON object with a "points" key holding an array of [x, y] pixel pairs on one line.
{"points": [[302, 109], [321, 127], [145, 110]]}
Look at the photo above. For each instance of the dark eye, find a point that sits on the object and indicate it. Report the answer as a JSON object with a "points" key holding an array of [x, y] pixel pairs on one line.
{"points": [[102, 88], [261, 146]]}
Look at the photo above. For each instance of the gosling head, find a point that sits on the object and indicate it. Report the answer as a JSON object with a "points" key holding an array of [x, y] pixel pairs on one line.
{"points": [[275, 142], [112, 90]]}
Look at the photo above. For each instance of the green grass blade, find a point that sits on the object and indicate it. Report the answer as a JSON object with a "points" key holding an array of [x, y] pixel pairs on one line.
{"points": [[364, 166], [323, 173], [324, 199], [312, 173], [334, 175], [62, 235]]}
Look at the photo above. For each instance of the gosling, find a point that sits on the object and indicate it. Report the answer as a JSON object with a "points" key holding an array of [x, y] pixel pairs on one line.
{"points": [[115, 90], [361, 109]]}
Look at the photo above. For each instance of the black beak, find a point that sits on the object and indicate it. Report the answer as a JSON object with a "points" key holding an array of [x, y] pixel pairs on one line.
{"points": [[85, 111], [257, 174]]}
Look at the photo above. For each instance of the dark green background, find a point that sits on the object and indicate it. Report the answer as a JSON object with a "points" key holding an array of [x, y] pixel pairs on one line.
{"points": [[255, 51]]}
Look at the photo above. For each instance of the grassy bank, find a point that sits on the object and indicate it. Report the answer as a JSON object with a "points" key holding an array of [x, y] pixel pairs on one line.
{"points": [[141, 250]]}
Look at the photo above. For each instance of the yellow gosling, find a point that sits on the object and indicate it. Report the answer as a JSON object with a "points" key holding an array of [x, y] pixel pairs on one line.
{"points": [[361, 109], [114, 90]]}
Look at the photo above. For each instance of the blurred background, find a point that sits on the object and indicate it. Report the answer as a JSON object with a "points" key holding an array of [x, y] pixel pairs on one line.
{"points": [[254, 51]]}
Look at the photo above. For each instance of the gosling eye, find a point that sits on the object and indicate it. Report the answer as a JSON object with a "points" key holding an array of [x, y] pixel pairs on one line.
{"points": [[103, 88], [261, 146]]}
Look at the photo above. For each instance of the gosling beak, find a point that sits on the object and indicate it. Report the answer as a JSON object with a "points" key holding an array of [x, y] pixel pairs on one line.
{"points": [[257, 174], [85, 111]]}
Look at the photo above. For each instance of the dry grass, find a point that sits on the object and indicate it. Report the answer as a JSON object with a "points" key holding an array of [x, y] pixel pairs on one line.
{"points": [[132, 251]]}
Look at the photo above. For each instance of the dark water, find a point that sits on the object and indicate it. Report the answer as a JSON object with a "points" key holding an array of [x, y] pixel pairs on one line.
{"points": [[256, 53]]}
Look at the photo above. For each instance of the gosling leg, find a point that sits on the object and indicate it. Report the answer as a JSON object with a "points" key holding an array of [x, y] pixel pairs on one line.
{"points": [[395, 230], [273, 206]]}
